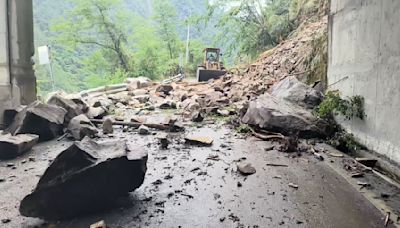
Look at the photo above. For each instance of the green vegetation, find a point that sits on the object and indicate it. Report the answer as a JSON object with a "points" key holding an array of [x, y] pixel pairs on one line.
{"points": [[98, 42], [345, 142], [243, 129], [350, 108], [253, 26], [333, 105]]}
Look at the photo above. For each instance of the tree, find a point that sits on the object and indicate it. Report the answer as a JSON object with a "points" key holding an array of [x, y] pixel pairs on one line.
{"points": [[98, 27], [249, 27], [166, 19]]}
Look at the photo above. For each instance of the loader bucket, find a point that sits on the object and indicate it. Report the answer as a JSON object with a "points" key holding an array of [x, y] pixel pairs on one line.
{"points": [[205, 75]]}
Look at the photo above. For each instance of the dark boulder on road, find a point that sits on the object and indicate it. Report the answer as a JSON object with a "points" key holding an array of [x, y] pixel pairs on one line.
{"points": [[86, 177], [39, 119], [13, 146], [73, 108], [276, 114]]}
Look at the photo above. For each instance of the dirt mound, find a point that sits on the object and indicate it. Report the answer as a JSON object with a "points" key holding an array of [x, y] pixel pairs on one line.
{"points": [[296, 56]]}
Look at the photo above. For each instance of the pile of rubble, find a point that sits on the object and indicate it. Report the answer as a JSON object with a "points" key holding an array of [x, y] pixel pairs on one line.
{"points": [[268, 97]]}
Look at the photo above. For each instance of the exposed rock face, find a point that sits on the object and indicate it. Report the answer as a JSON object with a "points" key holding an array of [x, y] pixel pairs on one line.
{"points": [[80, 126], [297, 92], [279, 115], [13, 146], [86, 177], [39, 119]]}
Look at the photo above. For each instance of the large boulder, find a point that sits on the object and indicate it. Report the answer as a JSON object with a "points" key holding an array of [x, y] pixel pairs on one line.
{"points": [[86, 177], [13, 146], [275, 114], [138, 83], [9, 115], [293, 90], [80, 127], [73, 109], [165, 89], [39, 119]]}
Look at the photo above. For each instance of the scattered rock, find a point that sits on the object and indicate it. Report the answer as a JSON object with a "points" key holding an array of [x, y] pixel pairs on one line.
{"points": [[86, 177], [108, 126], [73, 109], [197, 116], [164, 141], [40, 119], [138, 83], [199, 141], [369, 162], [4, 221], [13, 146], [168, 104], [246, 168], [357, 175], [297, 92], [275, 114], [97, 112], [100, 224], [9, 115], [223, 112], [80, 126], [164, 88], [143, 130], [295, 186]]}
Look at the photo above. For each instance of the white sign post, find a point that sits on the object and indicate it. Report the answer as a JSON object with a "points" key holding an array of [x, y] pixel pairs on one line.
{"points": [[44, 58]]}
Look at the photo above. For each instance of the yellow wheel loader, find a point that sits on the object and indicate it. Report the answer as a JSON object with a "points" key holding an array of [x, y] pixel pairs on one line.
{"points": [[212, 67]]}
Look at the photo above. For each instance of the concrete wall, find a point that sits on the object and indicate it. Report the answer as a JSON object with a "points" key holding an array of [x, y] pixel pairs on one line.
{"points": [[364, 59], [17, 80]]}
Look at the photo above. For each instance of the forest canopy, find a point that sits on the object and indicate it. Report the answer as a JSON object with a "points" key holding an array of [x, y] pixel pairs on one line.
{"points": [[100, 42]]}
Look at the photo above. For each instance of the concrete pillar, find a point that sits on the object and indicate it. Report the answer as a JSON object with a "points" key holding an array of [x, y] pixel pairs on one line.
{"points": [[17, 80]]}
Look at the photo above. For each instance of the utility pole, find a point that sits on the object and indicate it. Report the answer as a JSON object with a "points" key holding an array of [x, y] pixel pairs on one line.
{"points": [[188, 38]]}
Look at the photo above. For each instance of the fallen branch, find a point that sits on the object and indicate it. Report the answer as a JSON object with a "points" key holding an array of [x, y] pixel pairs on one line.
{"points": [[267, 137], [277, 165]]}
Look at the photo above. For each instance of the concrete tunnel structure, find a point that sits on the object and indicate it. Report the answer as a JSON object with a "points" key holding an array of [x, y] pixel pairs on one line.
{"points": [[364, 59], [17, 79]]}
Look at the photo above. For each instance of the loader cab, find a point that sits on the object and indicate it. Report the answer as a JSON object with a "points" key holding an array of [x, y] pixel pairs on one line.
{"points": [[212, 68]]}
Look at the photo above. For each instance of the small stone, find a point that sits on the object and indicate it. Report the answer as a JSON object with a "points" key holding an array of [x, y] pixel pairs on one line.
{"points": [[295, 186], [10, 165], [200, 141], [5, 221], [246, 168], [197, 116], [143, 130], [223, 112], [239, 184], [108, 126], [100, 224]]}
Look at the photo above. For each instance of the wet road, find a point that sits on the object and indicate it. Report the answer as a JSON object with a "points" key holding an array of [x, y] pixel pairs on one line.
{"points": [[191, 186]]}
